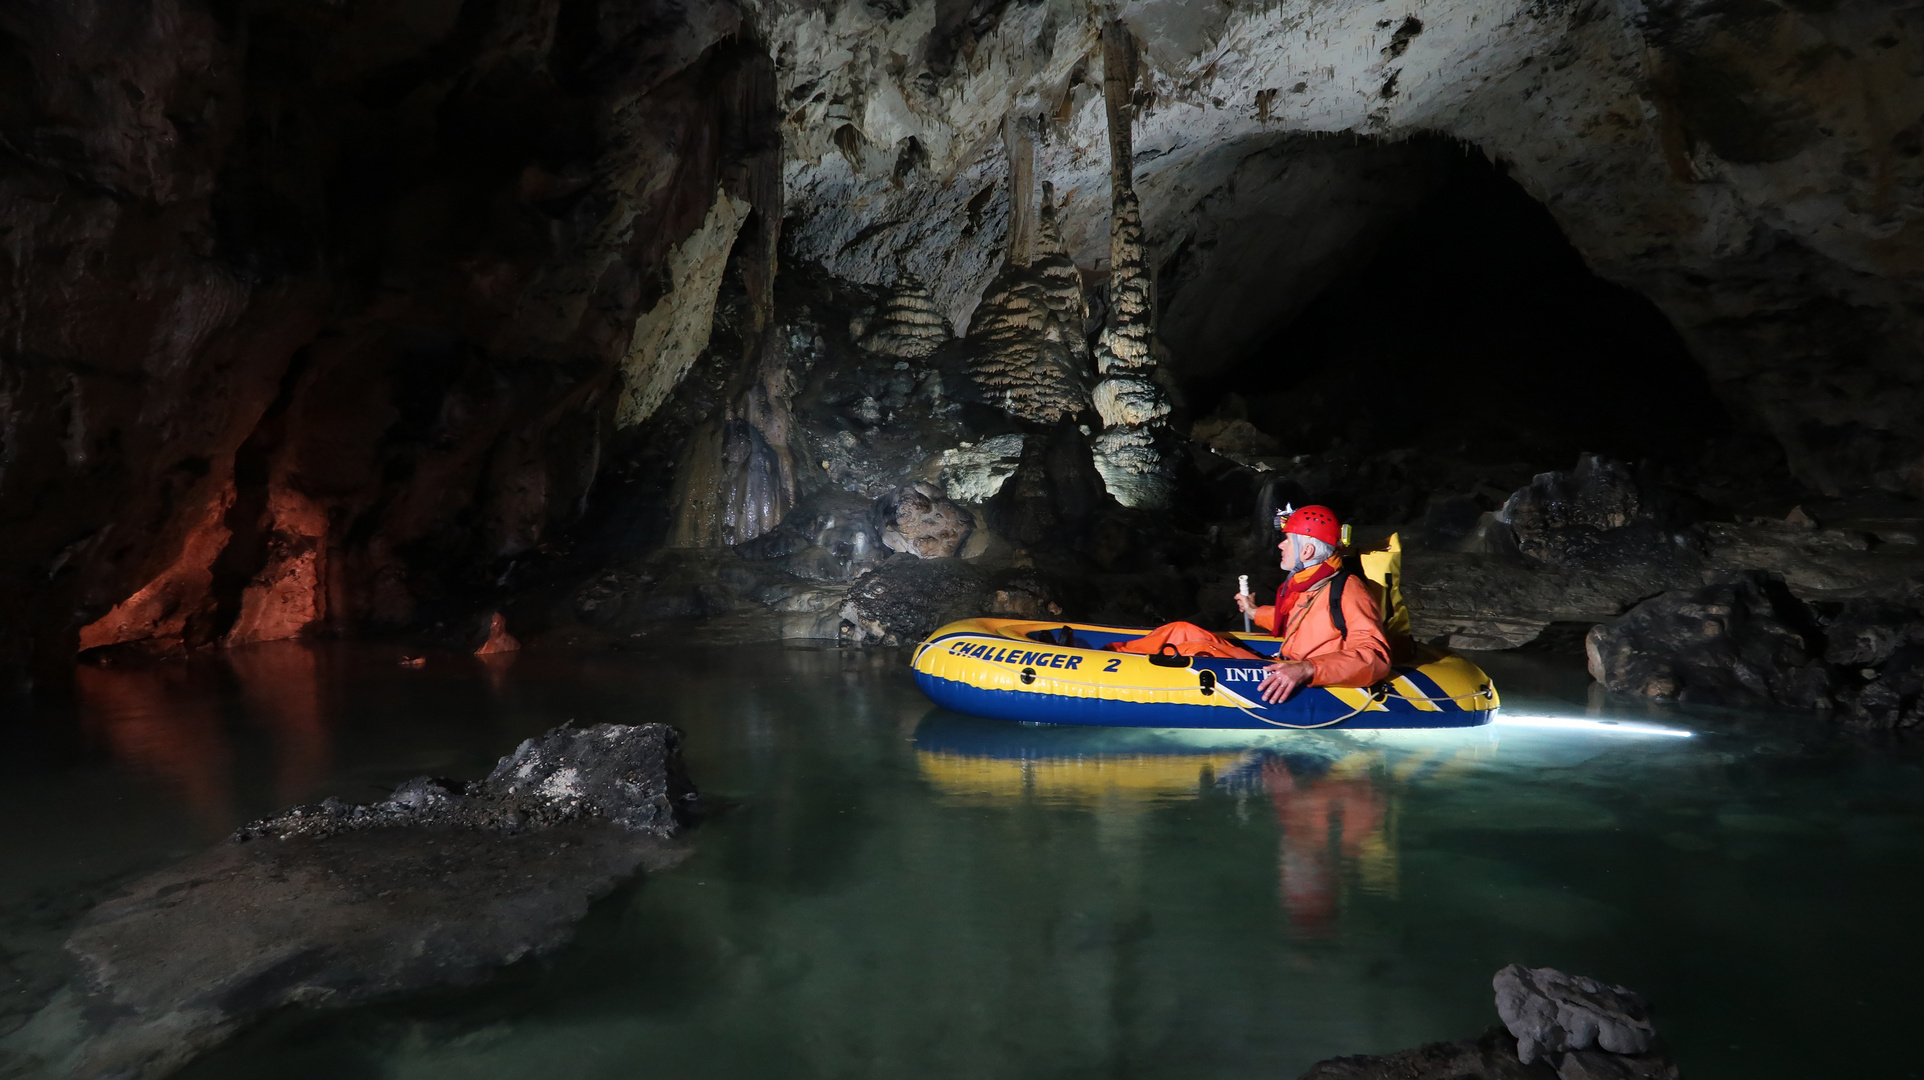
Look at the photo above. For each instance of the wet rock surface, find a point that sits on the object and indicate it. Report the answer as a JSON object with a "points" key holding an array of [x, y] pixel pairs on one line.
{"points": [[1751, 641], [1550, 1012], [1727, 643], [332, 904], [1555, 1027]]}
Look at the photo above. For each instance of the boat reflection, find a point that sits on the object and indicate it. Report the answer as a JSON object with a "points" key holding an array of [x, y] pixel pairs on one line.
{"points": [[1334, 796]]}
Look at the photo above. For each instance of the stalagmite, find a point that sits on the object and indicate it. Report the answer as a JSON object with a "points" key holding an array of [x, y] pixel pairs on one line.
{"points": [[1032, 359], [908, 326], [1132, 406]]}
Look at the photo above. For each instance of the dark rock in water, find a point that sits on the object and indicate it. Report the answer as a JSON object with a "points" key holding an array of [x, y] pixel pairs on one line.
{"points": [[337, 904], [905, 599], [1555, 1027], [1738, 641], [1491, 1056], [1550, 1012]]}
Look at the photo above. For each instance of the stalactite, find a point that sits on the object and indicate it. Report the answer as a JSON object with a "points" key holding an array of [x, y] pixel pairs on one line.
{"points": [[1131, 405]]}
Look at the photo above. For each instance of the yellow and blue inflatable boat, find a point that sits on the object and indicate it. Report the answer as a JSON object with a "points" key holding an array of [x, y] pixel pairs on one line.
{"points": [[1058, 673]]}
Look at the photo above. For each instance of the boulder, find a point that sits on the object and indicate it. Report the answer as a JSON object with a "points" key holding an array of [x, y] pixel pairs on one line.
{"points": [[1742, 640], [974, 472], [1876, 645], [1594, 517], [442, 883], [1555, 1027], [1550, 1012], [905, 599], [919, 520]]}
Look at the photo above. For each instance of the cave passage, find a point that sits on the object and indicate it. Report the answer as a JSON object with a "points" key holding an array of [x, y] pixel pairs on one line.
{"points": [[1476, 328]]}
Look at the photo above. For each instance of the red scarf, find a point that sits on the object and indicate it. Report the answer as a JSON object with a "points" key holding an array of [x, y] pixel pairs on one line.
{"points": [[1301, 582]]}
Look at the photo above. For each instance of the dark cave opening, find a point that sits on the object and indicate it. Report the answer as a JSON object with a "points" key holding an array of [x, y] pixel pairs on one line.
{"points": [[1476, 329]]}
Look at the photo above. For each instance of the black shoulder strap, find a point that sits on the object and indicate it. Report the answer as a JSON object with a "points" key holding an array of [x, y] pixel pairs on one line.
{"points": [[1336, 603]]}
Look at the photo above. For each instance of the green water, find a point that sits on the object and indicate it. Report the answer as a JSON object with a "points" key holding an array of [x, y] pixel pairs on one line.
{"points": [[889, 891]]}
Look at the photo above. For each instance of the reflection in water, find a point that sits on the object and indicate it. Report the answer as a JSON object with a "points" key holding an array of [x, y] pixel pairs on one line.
{"points": [[162, 721], [1335, 801], [172, 722], [282, 691], [1332, 819]]}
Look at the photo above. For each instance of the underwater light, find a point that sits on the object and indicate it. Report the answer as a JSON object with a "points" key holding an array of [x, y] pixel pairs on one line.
{"points": [[1581, 723]]}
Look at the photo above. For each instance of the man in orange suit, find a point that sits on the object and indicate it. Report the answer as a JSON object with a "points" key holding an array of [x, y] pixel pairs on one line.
{"points": [[1320, 646]]}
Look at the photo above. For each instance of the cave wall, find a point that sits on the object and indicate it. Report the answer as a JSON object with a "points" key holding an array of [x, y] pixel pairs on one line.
{"points": [[312, 313], [1754, 168], [315, 314]]}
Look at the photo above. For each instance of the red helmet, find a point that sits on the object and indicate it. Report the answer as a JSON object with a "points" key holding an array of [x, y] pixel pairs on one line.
{"points": [[1315, 522]]}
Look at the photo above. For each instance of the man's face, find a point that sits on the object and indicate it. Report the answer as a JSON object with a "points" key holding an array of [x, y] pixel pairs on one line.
{"points": [[1291, 556]]}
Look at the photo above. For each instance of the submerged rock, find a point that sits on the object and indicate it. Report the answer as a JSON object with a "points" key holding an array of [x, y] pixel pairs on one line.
{"points": [[1490, 1056], [1555, 1027], [336, 903]]}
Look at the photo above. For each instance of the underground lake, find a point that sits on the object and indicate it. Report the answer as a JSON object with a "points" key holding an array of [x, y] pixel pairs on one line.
{"points": [[880, 888]]}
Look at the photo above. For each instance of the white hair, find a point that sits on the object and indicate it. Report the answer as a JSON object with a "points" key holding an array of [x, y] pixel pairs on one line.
{"points": [[1318, 551]]}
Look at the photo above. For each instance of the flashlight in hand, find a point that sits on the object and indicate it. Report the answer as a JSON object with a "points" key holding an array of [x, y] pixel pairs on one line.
{"points": [[1242, 582]]}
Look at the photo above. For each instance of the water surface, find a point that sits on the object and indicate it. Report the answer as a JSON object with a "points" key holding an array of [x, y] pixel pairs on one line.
{"points": [[889, 890]]}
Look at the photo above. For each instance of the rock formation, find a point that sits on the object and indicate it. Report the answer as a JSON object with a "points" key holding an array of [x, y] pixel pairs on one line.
{"points": [[1028, 353], [1555, 1027], [338, 903], [1131, 405], [908, 326], [1552, 1013], [919, 521], [303, 332]]}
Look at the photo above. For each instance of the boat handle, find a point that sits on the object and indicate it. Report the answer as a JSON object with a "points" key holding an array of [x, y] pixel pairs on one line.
{"points": [[1028, 675], [1208, 680]]}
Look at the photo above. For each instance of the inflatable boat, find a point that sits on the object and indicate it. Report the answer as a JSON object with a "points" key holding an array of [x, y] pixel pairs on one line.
{"points": [[1059, 673]]}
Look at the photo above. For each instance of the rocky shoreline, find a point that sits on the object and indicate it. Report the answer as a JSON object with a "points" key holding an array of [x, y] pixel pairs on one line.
{"points": [[329, 905], [1554, 1027]]}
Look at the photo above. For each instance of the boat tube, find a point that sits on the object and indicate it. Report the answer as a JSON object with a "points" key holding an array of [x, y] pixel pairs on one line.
{"points": [[1058, 673]]}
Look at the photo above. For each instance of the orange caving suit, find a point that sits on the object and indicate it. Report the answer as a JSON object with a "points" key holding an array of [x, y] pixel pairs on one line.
{"points": [[1363, 659]]}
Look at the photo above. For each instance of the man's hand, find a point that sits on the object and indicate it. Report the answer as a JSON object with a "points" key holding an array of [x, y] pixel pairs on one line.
{"points": [[1246, 604], [1284, 678]]}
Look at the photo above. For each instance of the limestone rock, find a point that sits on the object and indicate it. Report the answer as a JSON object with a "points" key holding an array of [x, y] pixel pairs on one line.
{"points": [[1738, 641], [1127, 402], [1876, 645], [909, 325], [1131, 467], [1588, 516], [974, 473], [1550, 1012], [905, 599], [920, 521], [1026, 357], [338, 903], [667, 338]]}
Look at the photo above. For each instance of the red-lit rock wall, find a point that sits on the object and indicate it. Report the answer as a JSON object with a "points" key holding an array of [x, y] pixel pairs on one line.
{"points": [[309, 313]]}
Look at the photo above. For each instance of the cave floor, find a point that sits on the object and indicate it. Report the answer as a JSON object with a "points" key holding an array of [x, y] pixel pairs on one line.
{"points": [[883, 889]]}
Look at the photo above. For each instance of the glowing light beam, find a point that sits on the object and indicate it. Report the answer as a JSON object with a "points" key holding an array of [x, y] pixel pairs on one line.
{"points": [[1580, 723]]}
